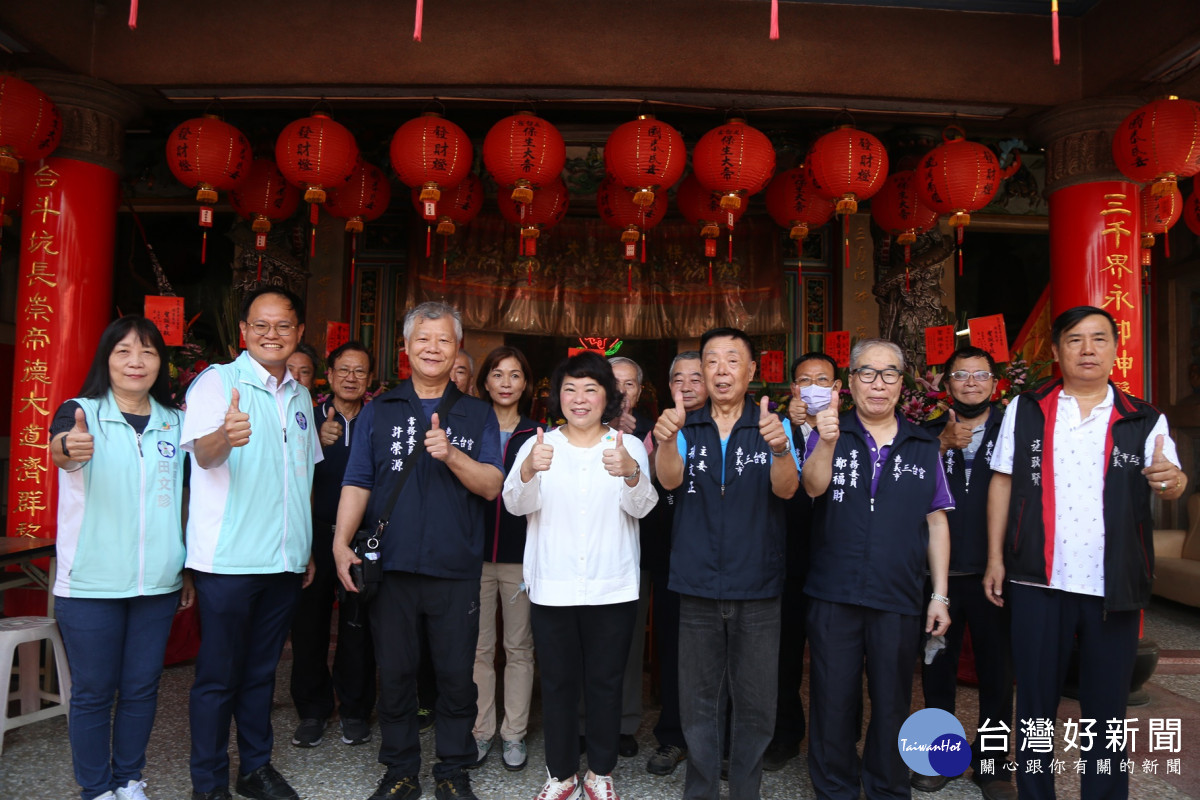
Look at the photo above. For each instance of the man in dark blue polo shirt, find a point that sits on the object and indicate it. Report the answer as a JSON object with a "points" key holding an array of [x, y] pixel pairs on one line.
{"points": [[351, 370], [879, 517], [430, 551]]}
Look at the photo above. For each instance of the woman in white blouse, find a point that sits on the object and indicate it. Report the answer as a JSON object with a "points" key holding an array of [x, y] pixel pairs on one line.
{"points": [[583, 487]]}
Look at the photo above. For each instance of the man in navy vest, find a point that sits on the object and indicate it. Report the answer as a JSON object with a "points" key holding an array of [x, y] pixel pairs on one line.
{"points": [[879, 518], [430, 549], [731, 466], [1070, 528], [967, 438]]}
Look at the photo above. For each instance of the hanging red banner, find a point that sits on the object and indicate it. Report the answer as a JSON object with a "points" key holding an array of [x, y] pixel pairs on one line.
{"points": [[939, 344], [770, 366], [987, 333], [336, 335], [167, 314], [837, 345]]}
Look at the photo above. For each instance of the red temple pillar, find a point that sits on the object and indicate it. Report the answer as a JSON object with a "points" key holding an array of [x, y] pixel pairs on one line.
{"points": [[1095, 226], [64, 286]]}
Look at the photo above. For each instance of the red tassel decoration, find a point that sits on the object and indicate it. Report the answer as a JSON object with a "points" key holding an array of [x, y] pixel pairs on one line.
{"points": [[428, 239], [907, 283], [629, 277], [353, 254], [204, 247], [846, 239], [643, 248], [206, 220], [313, 219], [710, 273], [258, 277], [960, 256], [419, 21], [774, 20], [133, 9], [1054, 30], [1166, 237]]}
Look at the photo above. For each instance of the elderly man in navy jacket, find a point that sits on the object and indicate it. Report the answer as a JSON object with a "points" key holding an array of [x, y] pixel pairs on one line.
{"points": [[1070, 528], [732, 466], [430, 555], [967, 438], [879, 517]]}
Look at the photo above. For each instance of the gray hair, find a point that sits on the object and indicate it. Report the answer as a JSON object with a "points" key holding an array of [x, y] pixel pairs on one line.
{"points": [[623, 360], [865, 344], [432, 310], [470, 361], [686, 355]]}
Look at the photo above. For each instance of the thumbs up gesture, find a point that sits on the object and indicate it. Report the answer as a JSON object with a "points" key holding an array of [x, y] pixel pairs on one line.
{"points": [[671, 421], [617, 460], [331, 429], [771, 427], [78, 442], [237, 423], [437, 444], [956, 435], [539, 457], [828, 427], [1166, 479]]}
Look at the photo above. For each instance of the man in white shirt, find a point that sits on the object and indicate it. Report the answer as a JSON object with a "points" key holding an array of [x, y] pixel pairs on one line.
{"points": [[1070, 528]]}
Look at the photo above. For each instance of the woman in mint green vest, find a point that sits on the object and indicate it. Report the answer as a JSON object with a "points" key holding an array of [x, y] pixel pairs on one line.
{"points": [[120, 552]]}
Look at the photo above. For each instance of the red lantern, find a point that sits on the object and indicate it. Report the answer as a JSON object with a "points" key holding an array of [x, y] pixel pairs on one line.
{"points": [[315, 154], [457, 206], [645, 155], [794, 204], [547, 209], [432, 153], [701, 207], [1191, 213], [734, 160], [1159, 143], [210, 156], [618, 211], [1160, 212], [264, 197], [524, 152], [898, 210], [30, 125], [363, 198], [847, 165]]}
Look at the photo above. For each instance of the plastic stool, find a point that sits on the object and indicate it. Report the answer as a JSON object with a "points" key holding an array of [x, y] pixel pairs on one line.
{"points": [[22, 636]]}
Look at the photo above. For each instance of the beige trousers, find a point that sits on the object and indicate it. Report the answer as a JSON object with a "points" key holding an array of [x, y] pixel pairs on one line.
{"points": [[501, 584]]}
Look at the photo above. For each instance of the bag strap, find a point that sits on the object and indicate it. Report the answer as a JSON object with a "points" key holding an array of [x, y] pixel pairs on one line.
{"points": [[449, 398]]}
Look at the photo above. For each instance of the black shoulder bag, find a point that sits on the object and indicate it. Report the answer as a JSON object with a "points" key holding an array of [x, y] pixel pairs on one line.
{"points": [[367, 542]]}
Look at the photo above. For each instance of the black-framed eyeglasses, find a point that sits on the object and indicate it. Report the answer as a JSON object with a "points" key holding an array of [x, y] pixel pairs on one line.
{"points": [[807, 381], [284, 329], [961, 375], [868, 375]]}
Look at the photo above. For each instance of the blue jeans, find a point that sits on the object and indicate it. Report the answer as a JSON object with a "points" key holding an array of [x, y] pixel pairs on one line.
{"points": [[115, 648], [733, 642]]}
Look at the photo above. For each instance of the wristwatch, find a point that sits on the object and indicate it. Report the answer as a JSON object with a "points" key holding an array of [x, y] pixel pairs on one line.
{"points": [[637, 470]]}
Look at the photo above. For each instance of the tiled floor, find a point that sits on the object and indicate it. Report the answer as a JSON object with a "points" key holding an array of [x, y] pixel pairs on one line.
{"points": [[36, 762]]}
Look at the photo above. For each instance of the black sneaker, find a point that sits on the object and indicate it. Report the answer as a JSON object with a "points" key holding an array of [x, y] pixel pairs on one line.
{"points": [[627, 746], [220, 793], [456, 787], [395, 787], [778, 754], [665, 759], [425, 720], [309, 733], [265, 783], [355, 731]]}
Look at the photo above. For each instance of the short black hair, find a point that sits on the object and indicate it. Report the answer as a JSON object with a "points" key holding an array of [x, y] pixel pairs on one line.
{"points": [[732, 333], [586, 365], [815, 356], [1072, 317], [341, 350], [287, 294], [495, 357], [306, 349], [969, 351], [97, 382]]}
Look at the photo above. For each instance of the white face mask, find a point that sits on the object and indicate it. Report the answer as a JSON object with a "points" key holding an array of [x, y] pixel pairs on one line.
{"points": [[817, 398]]}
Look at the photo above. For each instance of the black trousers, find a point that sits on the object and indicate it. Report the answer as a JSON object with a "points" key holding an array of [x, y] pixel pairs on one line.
{"points": [[582, 651], [991, 640], [451, 608], [353, 676], [793, 624], [842, 638], [668, 730], [1045, 625]]}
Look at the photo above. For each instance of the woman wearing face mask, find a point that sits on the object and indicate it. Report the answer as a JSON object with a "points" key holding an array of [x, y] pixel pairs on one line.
{"points": [[504, 379], [583, 487], [120, 552]]}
